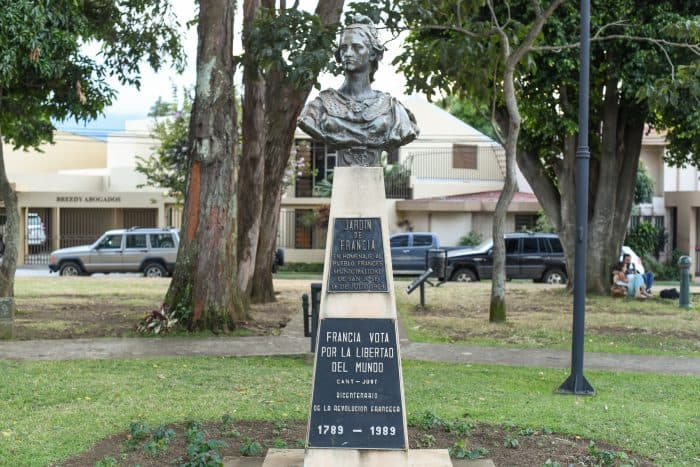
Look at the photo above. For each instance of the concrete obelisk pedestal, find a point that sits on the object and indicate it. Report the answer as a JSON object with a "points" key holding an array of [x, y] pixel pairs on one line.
{"points": [[358, 414]]}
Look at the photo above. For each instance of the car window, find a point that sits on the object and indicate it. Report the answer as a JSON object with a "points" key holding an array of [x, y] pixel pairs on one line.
{"points": [[399, 241], [162, 240], [530, 246], [422, 240], [511, 246], [555, 245], [111, 242], [136, 241]]}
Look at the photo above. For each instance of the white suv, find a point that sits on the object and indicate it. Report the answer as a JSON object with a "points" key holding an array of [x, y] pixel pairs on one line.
{"points": [[152, 251], [36, 234]]}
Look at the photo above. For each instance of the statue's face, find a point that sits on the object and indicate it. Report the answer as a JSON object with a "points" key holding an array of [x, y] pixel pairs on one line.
{"points": [[355, 52]]}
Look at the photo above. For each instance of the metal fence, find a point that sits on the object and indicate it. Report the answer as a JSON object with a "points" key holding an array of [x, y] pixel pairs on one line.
{"points": [[438, 163]]}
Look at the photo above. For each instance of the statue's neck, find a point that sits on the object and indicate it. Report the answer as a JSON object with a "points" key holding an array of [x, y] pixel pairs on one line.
{"points": [[356, 86]]}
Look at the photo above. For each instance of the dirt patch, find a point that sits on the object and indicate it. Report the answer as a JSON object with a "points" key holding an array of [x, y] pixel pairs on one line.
{"points": [[504, 445], [56, 315], [626, 331]]}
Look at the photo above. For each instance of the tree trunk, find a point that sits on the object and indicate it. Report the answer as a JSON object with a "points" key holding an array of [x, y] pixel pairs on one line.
{"points": [[283, 104], [204, 285], [251, 172], [11, 234], [612, 175], [286, 102], [511, 58], [497, 308]]}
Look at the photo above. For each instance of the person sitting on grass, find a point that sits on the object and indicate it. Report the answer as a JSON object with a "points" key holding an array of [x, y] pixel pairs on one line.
{"points": [[634, 282], [630, 269]]}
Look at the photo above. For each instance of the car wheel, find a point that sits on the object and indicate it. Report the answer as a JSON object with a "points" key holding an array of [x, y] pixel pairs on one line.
{"points": [[70, 268], [154, 270], [464, 275], [554, 276]]}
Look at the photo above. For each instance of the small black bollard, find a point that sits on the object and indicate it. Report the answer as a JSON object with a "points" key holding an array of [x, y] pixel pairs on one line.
{"points": [[315, 308], [305, 313], [684, 265]]}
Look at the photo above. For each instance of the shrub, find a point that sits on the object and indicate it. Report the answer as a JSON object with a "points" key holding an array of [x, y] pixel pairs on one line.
{"points": [[646, 239], [471, 239]]}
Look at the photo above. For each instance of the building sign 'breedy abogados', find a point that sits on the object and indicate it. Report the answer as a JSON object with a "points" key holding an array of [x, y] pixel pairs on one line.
{"points": [[357, 257], [357, 391]]}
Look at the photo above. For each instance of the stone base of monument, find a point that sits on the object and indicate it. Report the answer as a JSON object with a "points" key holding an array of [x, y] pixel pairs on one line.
{"points": [[357, 458], [7, 317]]}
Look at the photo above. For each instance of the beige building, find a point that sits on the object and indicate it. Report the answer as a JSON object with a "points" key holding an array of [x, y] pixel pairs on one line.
{"points": [[72, 191], [676, 200]]}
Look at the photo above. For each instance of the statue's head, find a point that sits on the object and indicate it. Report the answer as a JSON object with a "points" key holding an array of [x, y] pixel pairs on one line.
{"points": [[364, 27]]}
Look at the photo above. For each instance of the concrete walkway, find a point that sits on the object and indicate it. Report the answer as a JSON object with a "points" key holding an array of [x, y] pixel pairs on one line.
{"points": [[293, 342]]}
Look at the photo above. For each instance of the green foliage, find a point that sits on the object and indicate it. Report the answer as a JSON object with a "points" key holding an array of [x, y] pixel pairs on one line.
{"points": [[138, 432], [160, 321], [292, 42], [200, 451], [459, 427], [168, 166], [46, 72], [644, 186], [161, 436], [460, 451], [324, 188], [279, 443], [646, 239], [473, 238], [666, 271], [511, 442], [543, 224], [609, 458], [476, 115], [107, 461], [426, 441], [425, 421], [250, 447]]}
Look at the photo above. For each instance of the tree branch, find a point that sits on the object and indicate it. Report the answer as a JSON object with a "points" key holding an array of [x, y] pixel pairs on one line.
{"points": [[694, 48]]}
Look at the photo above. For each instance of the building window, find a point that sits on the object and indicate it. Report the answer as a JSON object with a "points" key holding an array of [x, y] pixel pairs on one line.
{"points": [[464, 156], [525, 222]]}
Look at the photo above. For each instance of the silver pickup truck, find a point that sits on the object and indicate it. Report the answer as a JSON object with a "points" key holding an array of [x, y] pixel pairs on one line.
{"points": [[151, 251]]}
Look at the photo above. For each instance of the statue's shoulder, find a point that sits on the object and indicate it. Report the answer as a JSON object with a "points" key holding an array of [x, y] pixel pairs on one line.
{"points": [[380, 104], [334, 102]]}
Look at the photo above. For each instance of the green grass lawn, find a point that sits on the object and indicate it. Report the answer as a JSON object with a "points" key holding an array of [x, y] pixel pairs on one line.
{"points": [[540, 316], [51, 410]]}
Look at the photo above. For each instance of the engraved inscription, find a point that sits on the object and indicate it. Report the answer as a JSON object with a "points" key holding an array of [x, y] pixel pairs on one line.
{"points": [[357, 391], [357, 259]]}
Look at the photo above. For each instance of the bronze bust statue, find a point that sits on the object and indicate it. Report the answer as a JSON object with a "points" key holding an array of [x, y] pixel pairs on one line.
{"points": [[354, 119]]}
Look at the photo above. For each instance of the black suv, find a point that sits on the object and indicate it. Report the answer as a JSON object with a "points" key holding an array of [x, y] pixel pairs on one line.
{"points": [[536, 256]]}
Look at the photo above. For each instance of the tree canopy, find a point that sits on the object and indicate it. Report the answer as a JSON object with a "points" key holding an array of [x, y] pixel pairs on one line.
{"points": [[48, 70], [644, 73]]}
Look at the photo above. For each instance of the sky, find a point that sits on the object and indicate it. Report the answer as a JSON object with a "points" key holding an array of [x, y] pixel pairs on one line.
{"points": [[131, 103]]}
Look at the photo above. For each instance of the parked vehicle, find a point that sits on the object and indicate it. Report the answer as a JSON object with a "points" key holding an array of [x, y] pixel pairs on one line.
{"points": [[36, 233], [408, 251], [152, 251], [536, 256]]}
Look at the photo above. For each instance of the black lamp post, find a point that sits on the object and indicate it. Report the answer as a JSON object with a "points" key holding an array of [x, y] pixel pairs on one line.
{"points": [[576, 383]]}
